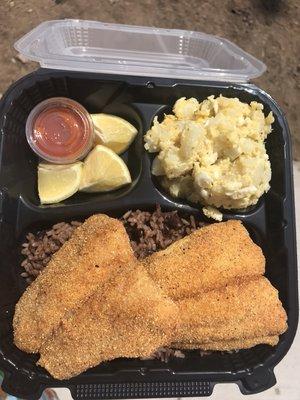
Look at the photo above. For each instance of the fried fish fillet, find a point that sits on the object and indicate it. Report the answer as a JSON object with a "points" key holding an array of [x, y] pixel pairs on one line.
{"points": [[129, 317], [73, 273], [234, 344], [238, 314], [206, 259]]}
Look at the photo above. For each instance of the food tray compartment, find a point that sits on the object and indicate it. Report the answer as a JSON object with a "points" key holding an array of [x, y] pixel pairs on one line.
{"points": [[26, 162], [270, 223]]}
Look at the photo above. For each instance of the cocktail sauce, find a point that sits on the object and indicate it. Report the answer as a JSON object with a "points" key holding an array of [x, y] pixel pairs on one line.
{"points": [[60, 130]]}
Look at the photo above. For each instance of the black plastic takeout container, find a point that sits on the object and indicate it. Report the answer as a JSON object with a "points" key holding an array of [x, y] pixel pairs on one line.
{"points": [[138, 99]]}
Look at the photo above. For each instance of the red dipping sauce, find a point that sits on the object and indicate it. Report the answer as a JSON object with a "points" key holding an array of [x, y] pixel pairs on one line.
{"points": [[60, 130]]}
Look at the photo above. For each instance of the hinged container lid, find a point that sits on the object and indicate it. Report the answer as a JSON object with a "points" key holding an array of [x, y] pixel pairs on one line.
{"points": [[78, 45]]}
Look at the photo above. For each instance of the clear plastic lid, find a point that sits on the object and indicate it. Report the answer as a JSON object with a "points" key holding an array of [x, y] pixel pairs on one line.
{"points": [[78, 45]]}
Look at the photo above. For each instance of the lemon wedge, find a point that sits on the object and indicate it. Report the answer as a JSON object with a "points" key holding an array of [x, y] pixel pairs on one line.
{"points": [[113, 132], [58, 182], [103, 170]]}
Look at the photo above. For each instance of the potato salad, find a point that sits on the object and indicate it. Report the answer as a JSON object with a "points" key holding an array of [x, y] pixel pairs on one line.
{"points": [[213, 152]]}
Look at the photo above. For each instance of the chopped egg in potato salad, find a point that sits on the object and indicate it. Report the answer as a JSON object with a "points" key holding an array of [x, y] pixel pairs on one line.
{"points": [[213, 152]]}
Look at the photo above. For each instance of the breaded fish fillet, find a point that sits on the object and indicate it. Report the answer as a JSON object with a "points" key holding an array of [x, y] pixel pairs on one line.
{"points": [[129, 317], [73, 273], [234, 344], [206, 259], [248, 310]]}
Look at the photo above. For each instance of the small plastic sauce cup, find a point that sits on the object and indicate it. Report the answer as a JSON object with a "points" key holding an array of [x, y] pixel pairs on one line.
{"points": [[60, 130]]}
